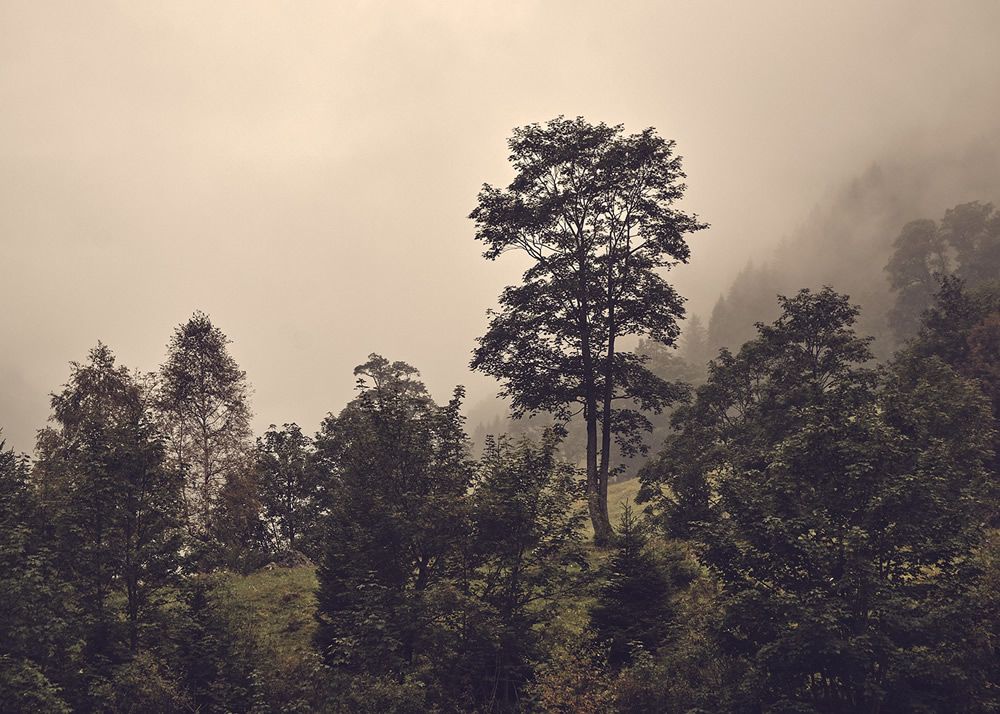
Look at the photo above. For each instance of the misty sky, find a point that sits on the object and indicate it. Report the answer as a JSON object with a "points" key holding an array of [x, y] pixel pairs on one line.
{"points": [[302, 171]]}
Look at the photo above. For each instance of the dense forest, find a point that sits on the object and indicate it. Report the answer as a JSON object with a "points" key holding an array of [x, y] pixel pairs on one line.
{"points": [[791, 507]]}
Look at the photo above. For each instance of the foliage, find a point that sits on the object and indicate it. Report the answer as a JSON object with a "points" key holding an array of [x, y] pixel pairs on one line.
{"points": [[36, 641], [288, 483], [24, 689], [398, 471], [203, 397], [211, 644], [694, 346], [111, 501], [962, 328], [965, 245], [527, 558], [838, 506], [593, 210], [634, 609], [142, 685], [573, 677]]}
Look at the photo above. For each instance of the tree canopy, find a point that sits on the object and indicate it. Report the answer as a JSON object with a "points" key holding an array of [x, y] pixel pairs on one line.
{"points": [[593, 209], [837, 504], [204, 399]]}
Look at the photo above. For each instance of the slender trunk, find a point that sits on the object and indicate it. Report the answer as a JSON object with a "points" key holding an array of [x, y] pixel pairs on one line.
{"points": [[597, 491], [609, 391], [605, 467], [597, 498]]}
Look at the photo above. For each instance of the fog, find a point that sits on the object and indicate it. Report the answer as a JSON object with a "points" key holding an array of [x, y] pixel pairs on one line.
{"points": [[302, 172]]}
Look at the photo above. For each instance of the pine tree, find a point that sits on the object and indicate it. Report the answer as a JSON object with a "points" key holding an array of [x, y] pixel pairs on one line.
{"points": [[634, 608]]}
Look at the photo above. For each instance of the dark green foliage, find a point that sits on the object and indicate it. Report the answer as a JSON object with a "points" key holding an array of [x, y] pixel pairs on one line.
{"points": [[288, 483], [398, 472], [593, 209], [24, 689], [142, 685], [962, 328], [634, 609], [211, 647], [36, 639], [838, 506], [527, 557], [111, 503]]}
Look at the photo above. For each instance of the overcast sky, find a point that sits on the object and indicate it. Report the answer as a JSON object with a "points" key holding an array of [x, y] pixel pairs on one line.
{"points": [[302, 171]]}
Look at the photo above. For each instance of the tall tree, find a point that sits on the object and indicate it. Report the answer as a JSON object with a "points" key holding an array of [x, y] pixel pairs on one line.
{"points": [[966, 245], [204, 397], [593, 210], [919, 255], [397, 474], [111, 499], [36, 644], [288, 486], [694, 342], [840, 506]]}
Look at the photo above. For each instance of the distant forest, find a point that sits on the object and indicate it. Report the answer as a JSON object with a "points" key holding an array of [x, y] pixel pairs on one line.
{"points": [[789, 506]]}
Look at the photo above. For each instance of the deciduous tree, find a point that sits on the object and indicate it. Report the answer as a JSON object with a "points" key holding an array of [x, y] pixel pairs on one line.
{"points": [[593, 209], [397, 471], [111, 499], [204, 398], [840, 506], [288, 486]]}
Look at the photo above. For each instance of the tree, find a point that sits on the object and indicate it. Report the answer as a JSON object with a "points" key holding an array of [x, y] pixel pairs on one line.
{"points": [[397, 476], [112, 502], [840, 507], [593, 210], [965, 245], [35, 639], [525, 549], [919, 254], [204, 399], [288, 487], [694, 347], [634, 607]]}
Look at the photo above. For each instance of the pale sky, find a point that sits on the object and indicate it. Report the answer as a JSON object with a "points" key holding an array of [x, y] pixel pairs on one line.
{"points": [[302, 171]]}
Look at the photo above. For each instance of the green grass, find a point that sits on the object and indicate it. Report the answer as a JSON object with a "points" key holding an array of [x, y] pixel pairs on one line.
{"points": [[618, 495], [281, 604]]}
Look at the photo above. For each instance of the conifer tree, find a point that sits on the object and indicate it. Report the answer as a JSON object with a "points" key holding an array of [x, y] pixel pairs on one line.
{"points": [[634, 608]]}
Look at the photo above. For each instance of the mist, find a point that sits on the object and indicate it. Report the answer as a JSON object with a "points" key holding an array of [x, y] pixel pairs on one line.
{"points": [[302, 173]]}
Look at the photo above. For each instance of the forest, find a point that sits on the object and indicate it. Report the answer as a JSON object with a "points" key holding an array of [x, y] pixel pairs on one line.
{"points": [[791, 506]]}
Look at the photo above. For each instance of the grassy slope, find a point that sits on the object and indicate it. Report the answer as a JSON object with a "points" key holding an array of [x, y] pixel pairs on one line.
{"points": [[280, 603]]}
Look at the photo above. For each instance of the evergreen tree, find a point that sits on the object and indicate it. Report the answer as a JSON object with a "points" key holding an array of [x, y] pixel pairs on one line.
{"points": [[634, 608], [36, 640]]}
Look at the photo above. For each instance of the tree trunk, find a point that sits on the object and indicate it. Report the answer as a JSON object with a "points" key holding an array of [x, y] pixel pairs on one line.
{"points": [[605, 466], [597, 492]]}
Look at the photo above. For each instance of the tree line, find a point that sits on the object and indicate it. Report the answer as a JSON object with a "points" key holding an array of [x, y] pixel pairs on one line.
{"points": [[817, 532]]}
